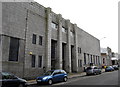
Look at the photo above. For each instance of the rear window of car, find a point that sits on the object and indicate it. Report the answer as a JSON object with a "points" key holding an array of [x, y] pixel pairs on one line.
{"points": [[95, 67], [88, 68]]}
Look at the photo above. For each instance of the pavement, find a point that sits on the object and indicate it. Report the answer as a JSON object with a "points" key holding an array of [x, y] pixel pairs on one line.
{"points": [[70, 75]]}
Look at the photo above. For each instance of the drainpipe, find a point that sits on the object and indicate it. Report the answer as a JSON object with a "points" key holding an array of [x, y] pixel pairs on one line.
{"points": [[26, 27]]}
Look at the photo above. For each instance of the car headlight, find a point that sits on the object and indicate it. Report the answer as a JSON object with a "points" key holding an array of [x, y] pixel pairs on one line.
{"points": [[45, 78]]}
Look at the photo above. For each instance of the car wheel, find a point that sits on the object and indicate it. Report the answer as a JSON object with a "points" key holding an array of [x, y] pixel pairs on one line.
{"points": [[21, 85], [65, 79], [87, 74], [50, 82]]}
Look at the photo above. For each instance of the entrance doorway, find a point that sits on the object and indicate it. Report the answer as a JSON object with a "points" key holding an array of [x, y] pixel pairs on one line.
{"points": [[63, 55], [72, 58], [53, 53]]}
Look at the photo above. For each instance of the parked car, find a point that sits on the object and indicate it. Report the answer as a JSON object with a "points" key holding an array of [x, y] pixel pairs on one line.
{"points": [[115, 67], [109, 68], [10, 80], [52, 76], [93, 70]]}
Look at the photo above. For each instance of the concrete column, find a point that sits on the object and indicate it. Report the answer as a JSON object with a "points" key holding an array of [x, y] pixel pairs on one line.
{"points": [[75, 63], [68, 49], [47, 62], [1, 36], [59, 43]]}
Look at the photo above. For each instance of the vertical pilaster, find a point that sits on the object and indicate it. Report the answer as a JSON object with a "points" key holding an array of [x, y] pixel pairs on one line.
{"points": [[0, 36], [59, 43], [75, 49], [48, 40], [68, 49]]}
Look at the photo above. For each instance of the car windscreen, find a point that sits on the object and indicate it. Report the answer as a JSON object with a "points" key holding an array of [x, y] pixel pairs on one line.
{"points": [[48, 73]]}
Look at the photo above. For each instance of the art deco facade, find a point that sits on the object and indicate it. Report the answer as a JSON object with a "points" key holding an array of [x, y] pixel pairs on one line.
{"points": [[35, 39]]}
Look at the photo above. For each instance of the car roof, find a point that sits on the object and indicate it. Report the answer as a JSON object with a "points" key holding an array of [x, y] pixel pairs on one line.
{"points": [[57, 70]]}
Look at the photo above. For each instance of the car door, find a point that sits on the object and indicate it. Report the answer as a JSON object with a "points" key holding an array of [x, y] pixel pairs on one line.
{"points": [[96, 70], [9, 80], [61, 75], [56, 76]]}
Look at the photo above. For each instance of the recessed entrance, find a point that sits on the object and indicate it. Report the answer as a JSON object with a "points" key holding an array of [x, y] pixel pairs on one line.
{"points": [[53, 53]]}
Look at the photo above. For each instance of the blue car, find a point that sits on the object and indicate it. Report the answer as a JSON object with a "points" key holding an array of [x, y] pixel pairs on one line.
{"points": [[109, 68], [52, 76]]}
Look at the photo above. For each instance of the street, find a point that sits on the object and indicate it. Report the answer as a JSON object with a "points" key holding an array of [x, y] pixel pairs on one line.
{"points": [[107, 78]]}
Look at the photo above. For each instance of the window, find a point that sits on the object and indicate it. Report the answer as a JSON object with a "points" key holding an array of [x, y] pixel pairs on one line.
{"points": [[95, 68], [88, 59], [54, 25], [40, 40], [40, 61], [79, 63], [78, 49], [96, 59], [63, 30], [84, 58], [34, 39], [0, 39], [33, 61], [71, 33], [91, 59], [14, 49]]}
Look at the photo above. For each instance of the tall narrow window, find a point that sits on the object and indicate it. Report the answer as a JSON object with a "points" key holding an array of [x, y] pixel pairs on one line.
{"points": [[78, 50], [96, 60], [84, 58], [40, 40], [34, 39], [14, 49], [88, 59], [40, 61], [33, 61], [80, 63], [91, 59]]}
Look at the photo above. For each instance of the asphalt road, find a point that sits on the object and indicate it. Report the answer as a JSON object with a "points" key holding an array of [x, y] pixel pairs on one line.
{"points": [[107, 78]]}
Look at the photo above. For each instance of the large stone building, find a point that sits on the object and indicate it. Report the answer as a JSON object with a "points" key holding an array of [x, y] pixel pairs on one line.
{"points": [[34, 39]]}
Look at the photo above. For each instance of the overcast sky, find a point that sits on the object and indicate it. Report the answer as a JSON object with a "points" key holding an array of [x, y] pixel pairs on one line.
{"points": [[97, 17]]}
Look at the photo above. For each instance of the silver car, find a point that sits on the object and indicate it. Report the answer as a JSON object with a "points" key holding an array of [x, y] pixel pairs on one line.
{"points": [[93, 70]]}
